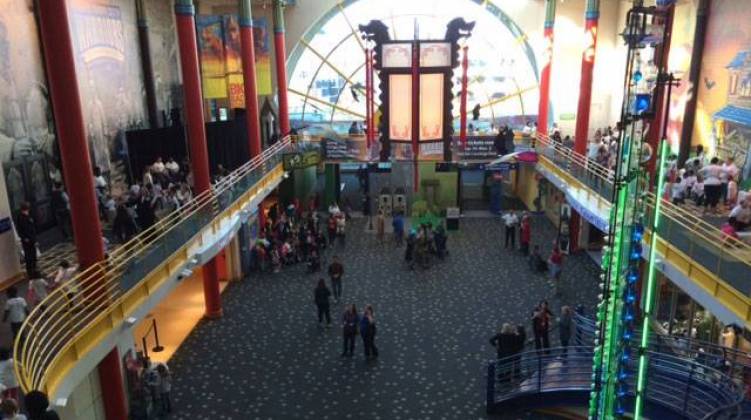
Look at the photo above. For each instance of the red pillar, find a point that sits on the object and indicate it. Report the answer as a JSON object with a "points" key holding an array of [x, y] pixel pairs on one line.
{"points": [[585, 84], [463, 102], [74, 153], [368, 103], [199, 157], [281, 67], [416, 113], [544, 105], [249, 78], [585, 101]]}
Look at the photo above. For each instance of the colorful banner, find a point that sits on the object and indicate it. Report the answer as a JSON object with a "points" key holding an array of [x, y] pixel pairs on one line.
{"points": [[211, 49], [221, 58]]}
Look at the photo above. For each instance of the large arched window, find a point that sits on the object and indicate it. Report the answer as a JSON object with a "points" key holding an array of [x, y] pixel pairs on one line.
{"points": [[328, 64]]}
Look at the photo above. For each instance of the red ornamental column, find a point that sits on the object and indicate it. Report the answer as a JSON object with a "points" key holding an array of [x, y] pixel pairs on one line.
{"points": [[585, 101], [199, 157], [416, 113], [74, 153], [368, 90], [587, 70], [463, 102], [249, 78], [656, 128], [544, 105], [281, 66]]}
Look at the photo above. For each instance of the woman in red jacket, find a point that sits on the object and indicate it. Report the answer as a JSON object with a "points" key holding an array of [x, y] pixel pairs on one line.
{"points": [[525, 234]]}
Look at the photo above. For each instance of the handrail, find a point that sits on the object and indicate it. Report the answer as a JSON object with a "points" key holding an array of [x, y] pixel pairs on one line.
{"points": [[678, 384], [701, 349], [61, 318]]}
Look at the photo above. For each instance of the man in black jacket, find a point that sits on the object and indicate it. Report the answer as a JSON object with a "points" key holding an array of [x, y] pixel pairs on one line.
{"points": [[27, 232]]}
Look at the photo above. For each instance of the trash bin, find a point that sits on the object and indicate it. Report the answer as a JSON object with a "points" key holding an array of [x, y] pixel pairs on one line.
{"points": [[452, 218]]}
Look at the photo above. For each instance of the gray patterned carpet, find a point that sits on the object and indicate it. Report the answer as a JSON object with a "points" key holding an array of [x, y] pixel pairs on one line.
{"points": [[268, 358]]}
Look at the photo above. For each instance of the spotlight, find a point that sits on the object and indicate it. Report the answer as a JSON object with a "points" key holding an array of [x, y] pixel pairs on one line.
{"points": [[286, 175]]}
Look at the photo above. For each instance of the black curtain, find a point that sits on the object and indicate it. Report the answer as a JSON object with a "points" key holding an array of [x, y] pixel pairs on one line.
{"points": [[227, 143]]}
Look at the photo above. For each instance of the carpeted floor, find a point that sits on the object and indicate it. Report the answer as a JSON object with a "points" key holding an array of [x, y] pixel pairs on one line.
{"points": [[268, 358]]}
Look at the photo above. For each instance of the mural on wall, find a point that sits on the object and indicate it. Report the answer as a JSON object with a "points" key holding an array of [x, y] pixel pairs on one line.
{"points": [[164, 55], [25, 119], [105, 43], [723, 123]]}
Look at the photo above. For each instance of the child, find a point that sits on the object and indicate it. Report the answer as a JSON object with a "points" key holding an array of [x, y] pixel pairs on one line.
{"points": [[8, 375], [16, 310], [677, 191], [698, 192], [536, 263], [9, 408]]}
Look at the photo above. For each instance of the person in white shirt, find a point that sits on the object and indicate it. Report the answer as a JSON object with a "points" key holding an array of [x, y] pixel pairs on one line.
{"points": [[697, 191], [9, 409], [15, 310], [712, 184], [172, 166], [742, 214], [39, 287], [8, 374], [158, 166], [678, 190], [729, 170], [510, 220]]}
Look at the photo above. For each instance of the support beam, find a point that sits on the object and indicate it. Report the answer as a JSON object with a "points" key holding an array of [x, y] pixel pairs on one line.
{"points": [[77, 170], [547, 64], [199, 156], [252, 118], [694, 81], [281, 67], [147, 68]]}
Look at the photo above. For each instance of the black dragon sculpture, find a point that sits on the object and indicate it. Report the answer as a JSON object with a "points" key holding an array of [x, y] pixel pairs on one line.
{"points": [[377, 32]]}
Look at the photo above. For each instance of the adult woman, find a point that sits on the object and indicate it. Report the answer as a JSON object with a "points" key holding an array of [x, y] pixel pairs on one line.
{"points": [[350, 319], [505, 343], [712, 174], [525, 234], [321, 295], [556, 266], [368, 332], [564, 325], [541, 325]]}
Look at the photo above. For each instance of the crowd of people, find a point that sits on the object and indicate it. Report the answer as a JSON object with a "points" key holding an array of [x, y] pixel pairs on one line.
{"points": [[423, 242]]}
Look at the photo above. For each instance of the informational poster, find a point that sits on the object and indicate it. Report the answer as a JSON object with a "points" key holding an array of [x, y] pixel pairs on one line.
{"points": [[400, 105], [431, 107], [478, 148]]}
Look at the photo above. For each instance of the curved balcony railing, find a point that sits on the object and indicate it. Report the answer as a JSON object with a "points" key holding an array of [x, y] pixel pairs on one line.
{"points": [[732, 362], [61, 321], [699, 240], [682, 386]]}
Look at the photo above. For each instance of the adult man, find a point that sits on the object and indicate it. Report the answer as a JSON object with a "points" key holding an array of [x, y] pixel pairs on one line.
{"points": [[336, 271], [510, 220], [27, 232]]}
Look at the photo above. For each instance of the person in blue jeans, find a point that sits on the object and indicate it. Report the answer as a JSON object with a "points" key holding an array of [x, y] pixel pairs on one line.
{"points": [[350, 321], [398, 225], [368, 332]]}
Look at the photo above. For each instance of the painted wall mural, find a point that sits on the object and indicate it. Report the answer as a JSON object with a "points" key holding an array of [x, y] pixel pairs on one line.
{"points": [[679, 62], [723, 117], [25, 119], [164, 55]]}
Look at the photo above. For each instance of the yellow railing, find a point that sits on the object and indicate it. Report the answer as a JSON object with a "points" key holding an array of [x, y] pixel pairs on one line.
{"points": [[58, 332], [725, 262]]}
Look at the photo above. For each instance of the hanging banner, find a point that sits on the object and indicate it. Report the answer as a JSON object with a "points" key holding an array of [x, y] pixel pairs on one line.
{"points": [[263, 55], [233, 57], [211, 49]]}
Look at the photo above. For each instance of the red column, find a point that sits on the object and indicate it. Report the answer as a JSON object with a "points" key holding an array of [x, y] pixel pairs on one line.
{"points": [[544, 104], [656, 127], [416, 113], [368, 103], [585, 101], [585, 88], [281, 67], [74, 153], [249, 78], [199, 157], [463, 102]]}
